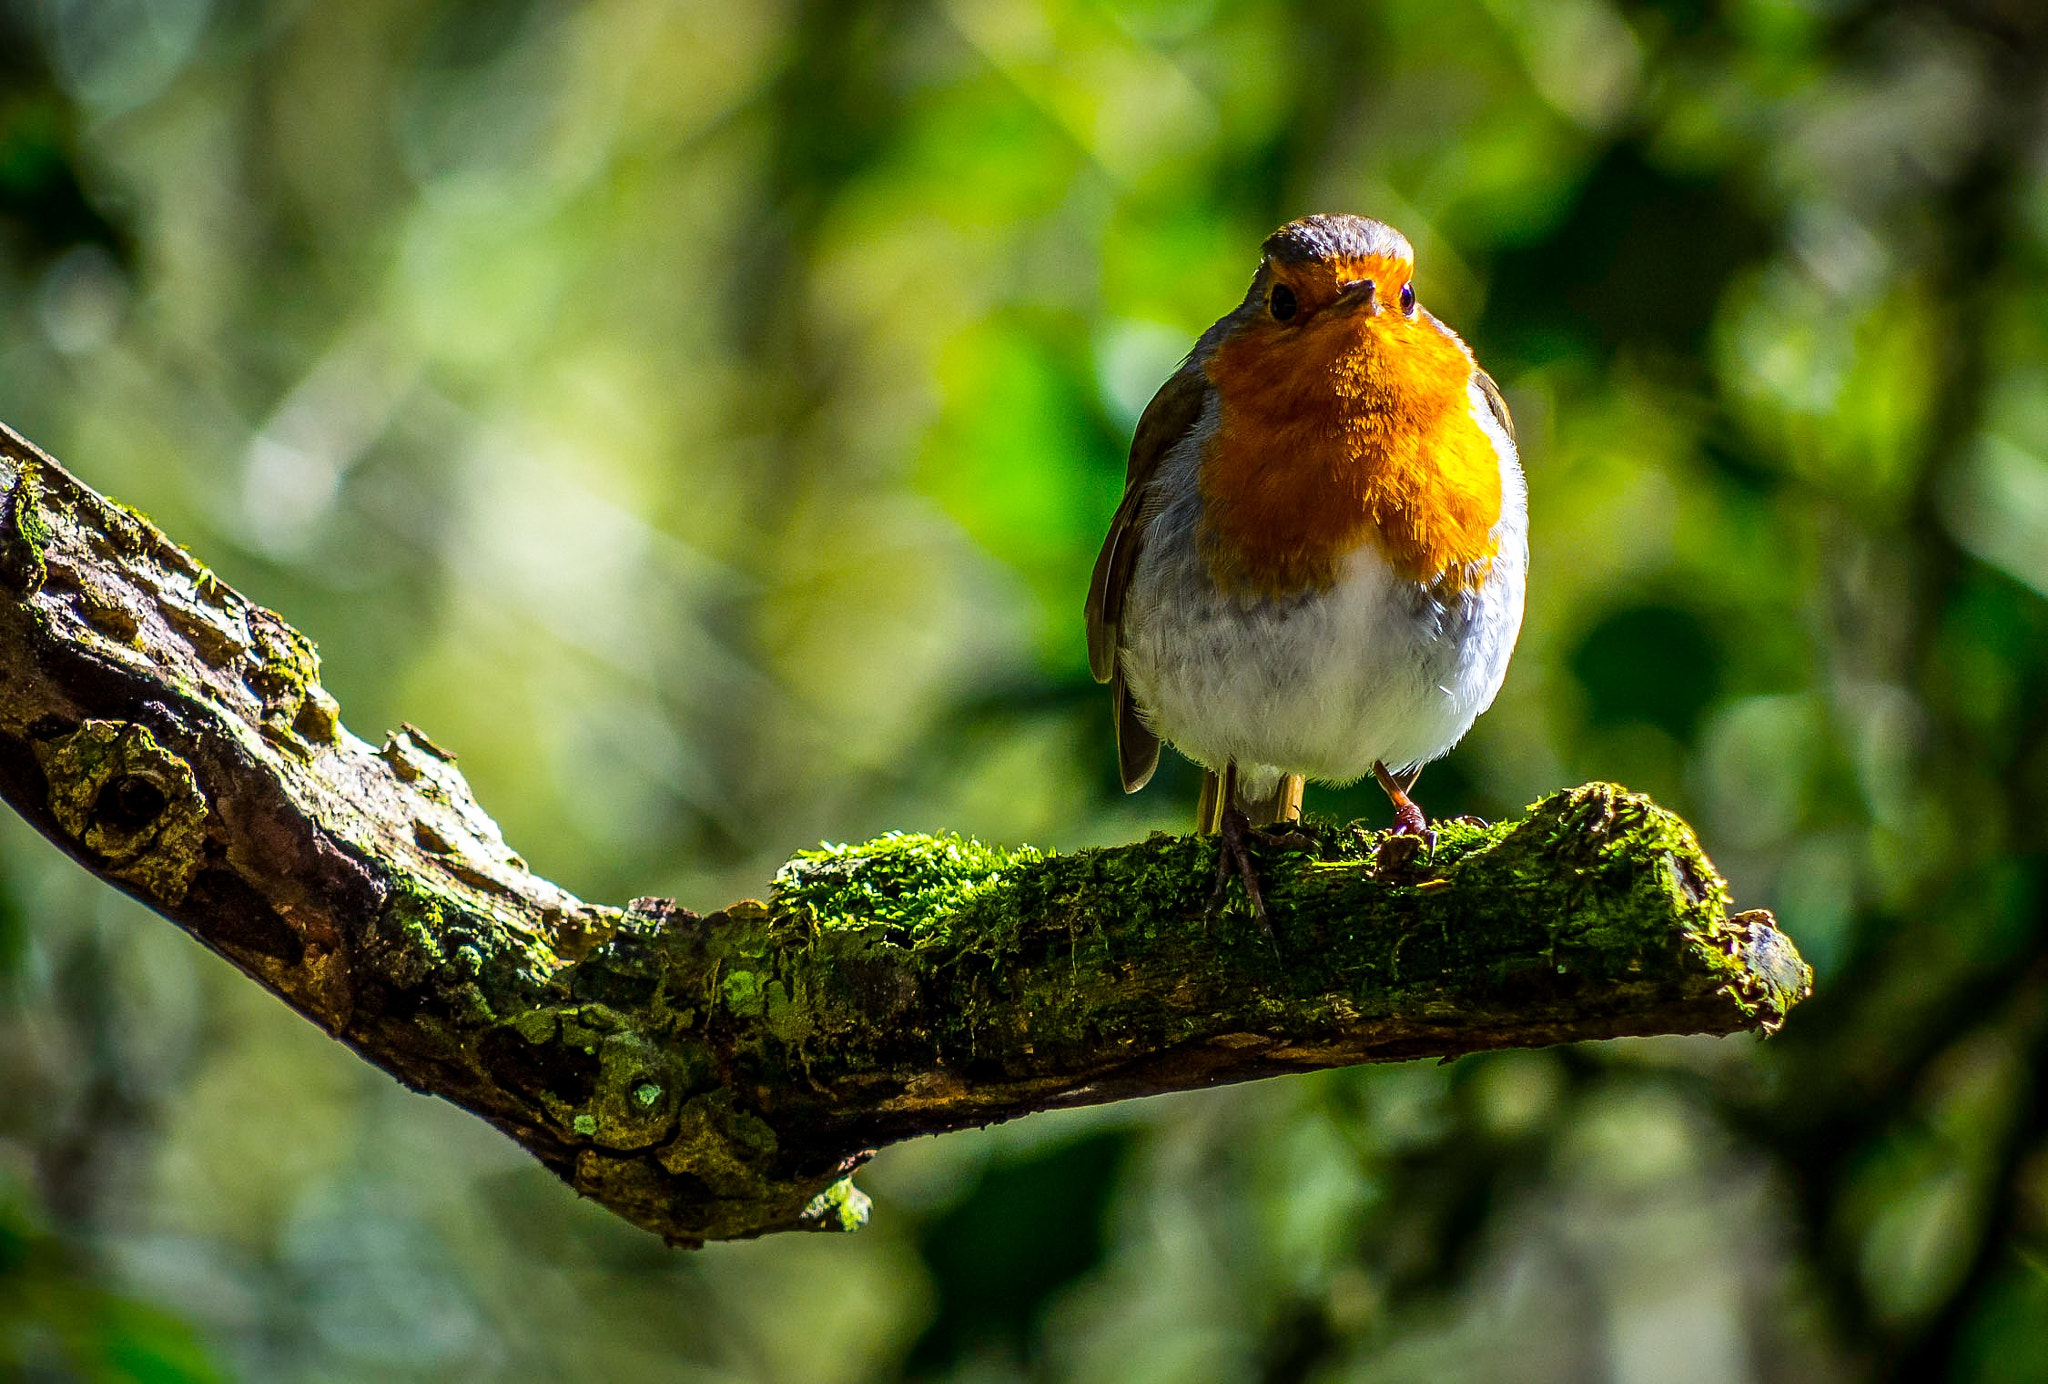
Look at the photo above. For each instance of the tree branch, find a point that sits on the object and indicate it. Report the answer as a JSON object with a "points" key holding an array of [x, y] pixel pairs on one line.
{"points": [[719, 1076]]}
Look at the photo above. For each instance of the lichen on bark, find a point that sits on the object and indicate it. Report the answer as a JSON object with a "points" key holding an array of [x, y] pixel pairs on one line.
{"points": [[721, 1076], [129, 802]]}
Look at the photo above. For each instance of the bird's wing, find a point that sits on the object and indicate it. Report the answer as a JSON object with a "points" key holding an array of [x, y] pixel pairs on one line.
{"points": [[1137, 747], [1167, 419], [1173, 410], [1497, 402]]}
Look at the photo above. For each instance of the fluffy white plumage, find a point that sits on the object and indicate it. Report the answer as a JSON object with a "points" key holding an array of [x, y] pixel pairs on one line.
{"points": [[1376, 668]]}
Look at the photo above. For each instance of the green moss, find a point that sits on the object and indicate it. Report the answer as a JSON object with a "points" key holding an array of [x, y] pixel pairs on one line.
{"points": [[408, 946], [318, 720], [628, 1065], [286, 676], [537, 1026], [842, 1206], [588, 1025], [958, 981], [128, 529], [722, 1146], [911, 884], [24, 534], [740, 991], [1456, 840], [469, 1005]]}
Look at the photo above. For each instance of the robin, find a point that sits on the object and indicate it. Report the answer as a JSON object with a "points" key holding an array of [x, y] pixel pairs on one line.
{"points": [[1317, 568]]}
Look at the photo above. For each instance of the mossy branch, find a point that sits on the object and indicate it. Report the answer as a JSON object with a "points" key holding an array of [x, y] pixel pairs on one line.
{"points": [[720, 1076]]}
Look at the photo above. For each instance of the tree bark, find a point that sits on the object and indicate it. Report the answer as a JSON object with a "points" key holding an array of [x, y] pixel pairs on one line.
{"points": [[720, 1076]]}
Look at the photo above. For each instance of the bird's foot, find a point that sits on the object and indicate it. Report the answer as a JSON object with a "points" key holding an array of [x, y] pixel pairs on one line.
{"points": [[1292, 837], [1409, 821], [1408, 818], [1235, 835]]}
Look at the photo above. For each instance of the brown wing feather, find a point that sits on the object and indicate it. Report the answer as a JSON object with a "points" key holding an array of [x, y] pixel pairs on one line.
{"points": [[1106, 588], [1137, 748], [1497, 401], [1166, 420]]}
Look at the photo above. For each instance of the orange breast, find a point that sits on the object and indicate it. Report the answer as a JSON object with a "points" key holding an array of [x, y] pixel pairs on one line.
{"points": [[1351, 430]]}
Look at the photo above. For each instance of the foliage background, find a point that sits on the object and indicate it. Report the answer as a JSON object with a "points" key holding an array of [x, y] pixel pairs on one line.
{"points": [[703, 416]]}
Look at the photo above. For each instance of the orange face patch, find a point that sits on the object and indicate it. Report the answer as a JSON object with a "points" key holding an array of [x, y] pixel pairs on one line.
{"points": [[1340, 426], [1316, 284]]}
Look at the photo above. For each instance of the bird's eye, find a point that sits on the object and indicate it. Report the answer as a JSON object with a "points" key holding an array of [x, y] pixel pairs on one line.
{"points": [[1281, 303], [1408, 299]]}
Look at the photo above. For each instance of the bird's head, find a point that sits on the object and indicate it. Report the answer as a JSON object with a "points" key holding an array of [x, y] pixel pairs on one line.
{"points": [[1321, 271], [1347, 413], [1331, 316]]}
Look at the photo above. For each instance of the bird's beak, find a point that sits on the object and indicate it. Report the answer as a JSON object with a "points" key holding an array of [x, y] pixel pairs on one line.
{"points": [[1359, 293]]}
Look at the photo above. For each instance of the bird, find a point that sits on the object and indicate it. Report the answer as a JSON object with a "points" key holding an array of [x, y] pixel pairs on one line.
{"points": [[1317, 568]]}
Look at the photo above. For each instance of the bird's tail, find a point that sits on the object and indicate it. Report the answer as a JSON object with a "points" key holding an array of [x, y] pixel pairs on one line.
{"points": [[1281, 806]]}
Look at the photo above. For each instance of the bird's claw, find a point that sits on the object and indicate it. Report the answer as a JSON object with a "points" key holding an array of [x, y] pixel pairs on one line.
{"points": [[1409, 821], [1235, 834], [1297, 839]]}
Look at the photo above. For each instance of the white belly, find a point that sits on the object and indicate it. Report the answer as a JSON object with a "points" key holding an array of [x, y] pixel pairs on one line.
{"points": [[1375, 669]]}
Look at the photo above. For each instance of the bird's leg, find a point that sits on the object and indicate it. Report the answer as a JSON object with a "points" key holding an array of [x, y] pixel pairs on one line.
{"points": [[1234, 854], [1234, 833], [1209, 810], [1287, 800], [1282, 810], [1408, 818]]}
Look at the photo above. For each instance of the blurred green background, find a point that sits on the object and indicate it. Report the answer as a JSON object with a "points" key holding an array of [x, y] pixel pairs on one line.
{"points": [[703, 417]]}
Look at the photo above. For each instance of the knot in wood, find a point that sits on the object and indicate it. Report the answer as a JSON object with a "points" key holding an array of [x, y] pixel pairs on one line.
{"points": [[130, 802]]}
